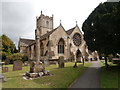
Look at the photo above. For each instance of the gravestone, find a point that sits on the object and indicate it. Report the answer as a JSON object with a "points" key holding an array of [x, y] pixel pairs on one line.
{"points": [[7, 61], [17, 65], [46, 63], [26, 63], [4, 69], [2, 78], [61, 62]]}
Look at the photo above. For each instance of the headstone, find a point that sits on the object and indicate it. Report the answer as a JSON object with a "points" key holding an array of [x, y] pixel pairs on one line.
{"points": [[46, 63], [4, 69], [7, 61], [26, 63], [2, 78], [17, 65], [61, 62]]}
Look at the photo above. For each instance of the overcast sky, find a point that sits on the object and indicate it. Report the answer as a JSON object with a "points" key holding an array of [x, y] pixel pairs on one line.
{"points": [[19, 16]]}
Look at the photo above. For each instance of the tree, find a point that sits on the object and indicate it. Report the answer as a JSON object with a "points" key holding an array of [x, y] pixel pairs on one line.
{"points": [[17, 56], [8, 47], [102, 29]]}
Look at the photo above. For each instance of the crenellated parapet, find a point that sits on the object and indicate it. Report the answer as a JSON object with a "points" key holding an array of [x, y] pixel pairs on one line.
{"points": [[44, 23], [42, 16]]}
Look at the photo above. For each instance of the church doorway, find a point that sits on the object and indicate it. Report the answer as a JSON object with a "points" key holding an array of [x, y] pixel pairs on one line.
{"points": [[78, 56]]}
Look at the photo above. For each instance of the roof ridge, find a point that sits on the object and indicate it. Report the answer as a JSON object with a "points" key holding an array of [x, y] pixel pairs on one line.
{"points": [[26, 39], [70, 30], [48, 33]]}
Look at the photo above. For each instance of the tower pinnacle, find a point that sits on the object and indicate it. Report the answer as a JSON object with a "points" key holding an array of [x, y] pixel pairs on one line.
{"points": [[76, 23], [60, 22], [41, 12]]}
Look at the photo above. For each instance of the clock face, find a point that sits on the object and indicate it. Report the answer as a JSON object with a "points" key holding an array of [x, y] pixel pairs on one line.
{"points": [[77, 39]]}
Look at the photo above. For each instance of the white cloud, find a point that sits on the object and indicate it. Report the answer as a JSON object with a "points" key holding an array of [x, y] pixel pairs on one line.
{"points": [[113, 0], [20, 15]]}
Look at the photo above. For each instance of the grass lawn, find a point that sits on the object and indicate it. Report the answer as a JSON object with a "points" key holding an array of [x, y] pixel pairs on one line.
{"points": [[62, 77], [110, 78]]}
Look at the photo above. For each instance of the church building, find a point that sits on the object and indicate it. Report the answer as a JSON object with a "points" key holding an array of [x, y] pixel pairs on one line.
{"points": [[51, 43]]}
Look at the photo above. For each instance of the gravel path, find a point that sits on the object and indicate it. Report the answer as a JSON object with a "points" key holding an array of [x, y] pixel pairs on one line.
{"points": [[90, 79]]}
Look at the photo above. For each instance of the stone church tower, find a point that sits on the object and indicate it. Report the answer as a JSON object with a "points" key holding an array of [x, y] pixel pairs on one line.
{"points": [[44, 24]]}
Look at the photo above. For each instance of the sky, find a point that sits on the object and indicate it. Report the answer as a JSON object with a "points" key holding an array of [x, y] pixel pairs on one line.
{"points": [[18, 18]]}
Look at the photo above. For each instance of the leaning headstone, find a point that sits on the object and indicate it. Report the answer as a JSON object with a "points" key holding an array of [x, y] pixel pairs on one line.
{"points": [[61, 62], [17, 65], [4, 69]]}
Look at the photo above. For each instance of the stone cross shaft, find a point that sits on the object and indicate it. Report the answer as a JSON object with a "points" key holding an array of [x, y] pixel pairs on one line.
{"points": [[38, 45]]}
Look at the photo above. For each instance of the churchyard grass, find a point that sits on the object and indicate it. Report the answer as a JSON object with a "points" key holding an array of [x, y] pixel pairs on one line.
{"points": [[110, 78], [61, 78]]}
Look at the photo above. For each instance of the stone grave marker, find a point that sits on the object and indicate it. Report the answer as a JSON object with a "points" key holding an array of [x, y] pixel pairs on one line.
{"points": [[2, 78], [17, 65], [26, 63], [4, 69], [46, 63], [7, 61], [61, 62]]}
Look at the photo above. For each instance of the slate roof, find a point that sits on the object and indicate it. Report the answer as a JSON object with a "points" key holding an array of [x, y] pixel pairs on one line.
{"points": [[70, 30], [25, 42], [47, 34]]}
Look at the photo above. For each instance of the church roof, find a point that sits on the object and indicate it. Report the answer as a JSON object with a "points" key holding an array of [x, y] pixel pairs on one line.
{"points": [[44, 36], [31, 42], [47, 34], [25, 42], [70, 30]]}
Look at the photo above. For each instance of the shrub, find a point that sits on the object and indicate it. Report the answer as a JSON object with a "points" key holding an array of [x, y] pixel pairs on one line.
{"points": [[3, 55], [25, 58], [17, 56]]}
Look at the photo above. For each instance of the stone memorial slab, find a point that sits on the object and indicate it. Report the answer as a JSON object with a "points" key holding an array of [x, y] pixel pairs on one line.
{"points": [[61, 62], [17, 65]]}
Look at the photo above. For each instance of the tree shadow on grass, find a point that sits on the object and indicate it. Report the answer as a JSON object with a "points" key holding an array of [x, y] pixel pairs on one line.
{"points": [[111, 76]]}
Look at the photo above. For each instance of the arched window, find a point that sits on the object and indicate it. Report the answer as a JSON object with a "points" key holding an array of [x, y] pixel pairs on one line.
{"points": [[30, 51], [34, 50], [41, 49], [47, 24], [61, 46]]}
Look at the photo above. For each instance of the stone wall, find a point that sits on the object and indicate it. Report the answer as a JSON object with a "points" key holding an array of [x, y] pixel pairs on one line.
{"points": [[55, 37]]}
